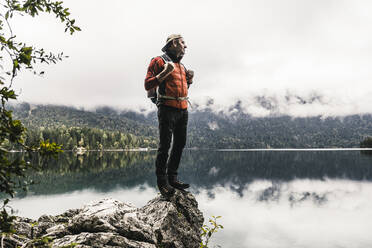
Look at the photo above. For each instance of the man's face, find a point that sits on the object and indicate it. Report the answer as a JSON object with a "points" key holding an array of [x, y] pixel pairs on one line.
{"points": [[179, 47]]}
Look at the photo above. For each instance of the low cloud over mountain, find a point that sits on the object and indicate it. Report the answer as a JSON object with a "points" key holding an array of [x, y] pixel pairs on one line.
{"points": [[267, 103]]}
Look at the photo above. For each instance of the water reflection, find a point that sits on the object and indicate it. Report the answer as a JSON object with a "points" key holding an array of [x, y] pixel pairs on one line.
{"points": [[267, 199], [34, 206], [204, 169], [299, 213], [366, 152]]}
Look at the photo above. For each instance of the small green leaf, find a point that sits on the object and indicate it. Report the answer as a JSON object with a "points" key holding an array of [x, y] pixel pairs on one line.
{"points": [[15, 63]]}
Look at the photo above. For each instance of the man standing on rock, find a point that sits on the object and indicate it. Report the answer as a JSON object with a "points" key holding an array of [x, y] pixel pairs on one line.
{"points": [[167, 82]]}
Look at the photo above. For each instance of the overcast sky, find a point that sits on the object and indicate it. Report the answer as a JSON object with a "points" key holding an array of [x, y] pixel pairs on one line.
{"points": [[238, 50]]}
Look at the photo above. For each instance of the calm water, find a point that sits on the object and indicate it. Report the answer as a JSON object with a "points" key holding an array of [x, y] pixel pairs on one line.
{"points": [[266, 198]]}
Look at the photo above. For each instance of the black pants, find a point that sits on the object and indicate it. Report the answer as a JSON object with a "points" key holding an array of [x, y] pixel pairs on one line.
{"points": [[172, 122]]}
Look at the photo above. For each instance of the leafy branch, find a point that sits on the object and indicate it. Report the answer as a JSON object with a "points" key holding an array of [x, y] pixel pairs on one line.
{"points": [[19, 56], [19, 53], [208, 231]]}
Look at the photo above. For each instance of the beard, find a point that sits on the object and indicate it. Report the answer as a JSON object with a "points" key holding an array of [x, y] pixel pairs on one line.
{"points": [[176, 56]]}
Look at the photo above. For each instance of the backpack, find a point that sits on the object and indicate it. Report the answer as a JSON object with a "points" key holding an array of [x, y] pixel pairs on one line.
{"points": [[153, 93]]}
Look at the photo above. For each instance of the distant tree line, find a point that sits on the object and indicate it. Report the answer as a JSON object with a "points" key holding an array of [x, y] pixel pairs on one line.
{"points": [[89, 138], [244, 131], [206, 128], [51, 116], [366, 143]]}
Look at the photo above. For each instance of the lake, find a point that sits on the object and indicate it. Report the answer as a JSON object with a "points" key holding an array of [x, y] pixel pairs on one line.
{"points": [[267, 198]]}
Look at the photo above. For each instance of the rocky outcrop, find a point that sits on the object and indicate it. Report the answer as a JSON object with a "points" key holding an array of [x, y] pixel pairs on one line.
{"points": [[111, 223]]}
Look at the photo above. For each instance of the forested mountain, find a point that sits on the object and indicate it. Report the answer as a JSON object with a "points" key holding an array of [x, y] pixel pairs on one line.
{"points": [[72, 127], [207, 129], [244, 131], [52, 116]]}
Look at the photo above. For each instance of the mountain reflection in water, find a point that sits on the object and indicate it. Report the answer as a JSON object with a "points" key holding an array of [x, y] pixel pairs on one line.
{"points": [[300, 213], [265, 198]]}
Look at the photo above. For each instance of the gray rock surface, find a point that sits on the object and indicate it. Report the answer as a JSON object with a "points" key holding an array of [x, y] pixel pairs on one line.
{"points": [[110, 223]]}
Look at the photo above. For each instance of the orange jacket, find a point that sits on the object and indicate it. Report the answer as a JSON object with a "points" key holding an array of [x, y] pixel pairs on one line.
{"points": [[175, 84]]}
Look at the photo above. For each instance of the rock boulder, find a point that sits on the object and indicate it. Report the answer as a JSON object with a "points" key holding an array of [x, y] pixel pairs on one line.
{"points": [[110, 223]]}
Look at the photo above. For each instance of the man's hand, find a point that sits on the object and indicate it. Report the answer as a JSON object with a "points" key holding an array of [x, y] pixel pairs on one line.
{"points": [[189, 76], [168, 69]]}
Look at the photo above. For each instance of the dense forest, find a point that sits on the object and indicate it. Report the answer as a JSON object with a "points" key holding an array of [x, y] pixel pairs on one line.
{"points": [[73, 128], [366, 143], [107, 128], [89, 138], [243, 131]]}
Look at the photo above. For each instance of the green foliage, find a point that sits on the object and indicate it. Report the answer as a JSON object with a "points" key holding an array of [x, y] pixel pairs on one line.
{"points": [[49, 149], [72, 245], [21, 55], [6, 221], [208, 230], [15, 56], [42, 242], [366, 143], [89, 138]]}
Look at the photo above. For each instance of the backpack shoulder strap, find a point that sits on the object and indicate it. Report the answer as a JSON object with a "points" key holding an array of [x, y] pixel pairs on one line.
{"points": [[165, 58], [184, 67]]}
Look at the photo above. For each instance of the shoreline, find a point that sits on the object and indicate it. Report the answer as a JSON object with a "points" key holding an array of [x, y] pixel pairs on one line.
{"points": [[224, 149]]}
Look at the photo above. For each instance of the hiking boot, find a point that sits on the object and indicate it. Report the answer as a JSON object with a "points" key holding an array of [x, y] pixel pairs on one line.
{"points": [[165, 189], [173, 181]]}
